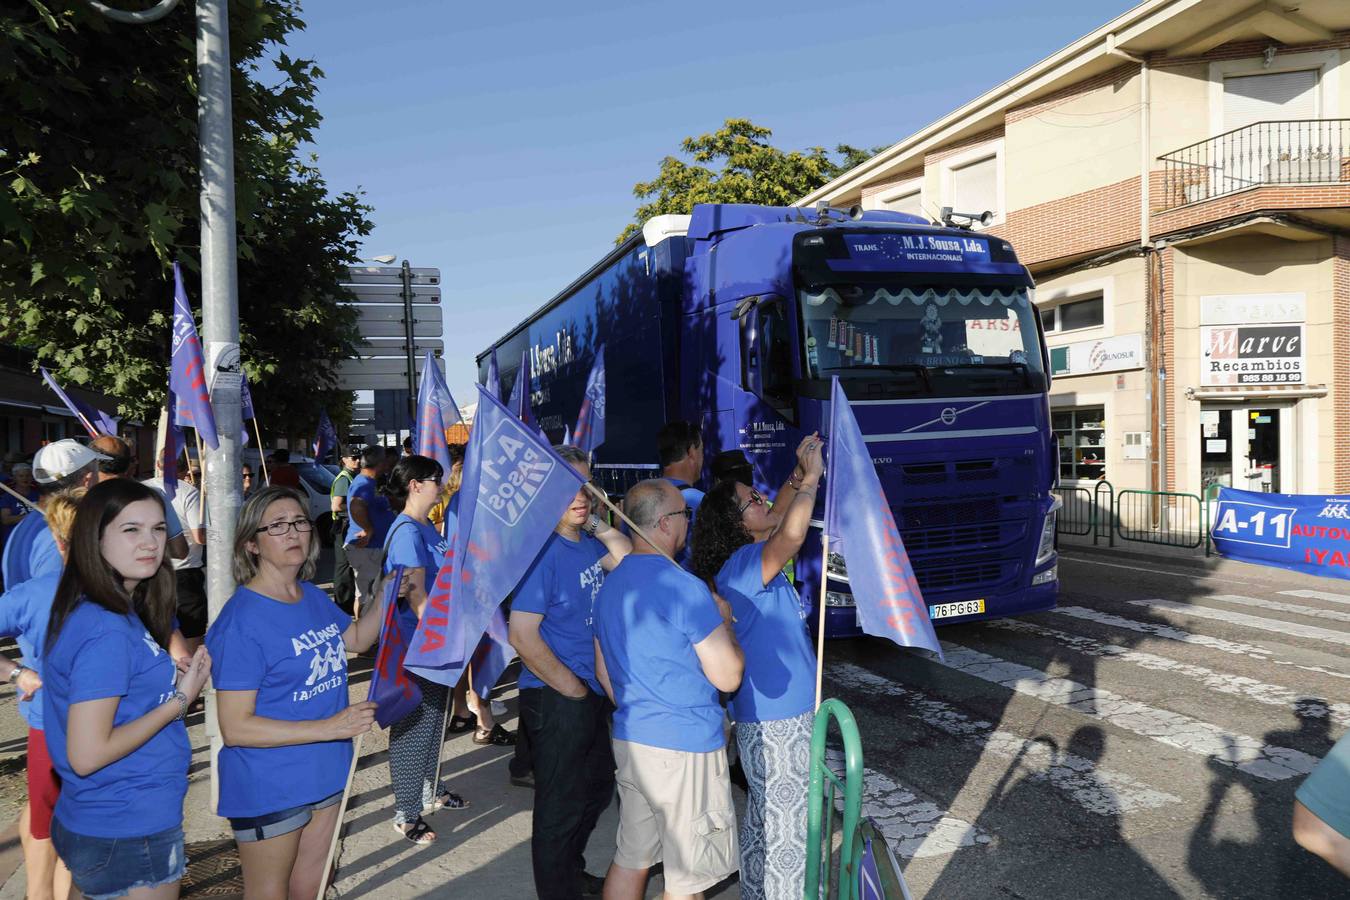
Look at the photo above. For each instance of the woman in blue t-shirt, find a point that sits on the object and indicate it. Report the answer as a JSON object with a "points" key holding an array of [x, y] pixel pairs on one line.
{"points": [[413, 488], [114, 702], [740, 549], [280, 670]]}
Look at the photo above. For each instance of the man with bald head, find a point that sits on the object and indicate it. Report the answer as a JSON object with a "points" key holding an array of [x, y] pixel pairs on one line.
{"points": [[664, 649]]}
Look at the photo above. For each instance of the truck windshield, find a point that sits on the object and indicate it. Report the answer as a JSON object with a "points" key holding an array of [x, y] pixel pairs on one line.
{"points": [[924, 338]]}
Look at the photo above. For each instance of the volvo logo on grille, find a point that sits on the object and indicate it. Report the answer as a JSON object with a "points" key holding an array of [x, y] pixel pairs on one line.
{"points": [[949, 416]]}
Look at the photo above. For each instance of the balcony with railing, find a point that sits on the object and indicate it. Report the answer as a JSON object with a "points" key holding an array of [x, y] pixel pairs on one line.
{"points": [[1303, 152]]}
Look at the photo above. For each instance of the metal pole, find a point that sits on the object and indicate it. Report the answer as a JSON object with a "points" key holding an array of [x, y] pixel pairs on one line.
{"points": [[408, 345], [220, 316]]}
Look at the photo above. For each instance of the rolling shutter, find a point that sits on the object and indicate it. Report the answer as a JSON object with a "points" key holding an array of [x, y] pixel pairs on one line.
{"points": [[1277, 96]]}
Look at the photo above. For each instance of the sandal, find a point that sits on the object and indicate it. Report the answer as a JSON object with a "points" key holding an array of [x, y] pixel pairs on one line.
{"points": [[419, 833], [461, 724], [446, 799], [498, 736]]}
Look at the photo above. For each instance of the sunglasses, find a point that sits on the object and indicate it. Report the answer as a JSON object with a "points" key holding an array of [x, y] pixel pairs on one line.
{"points": [[755, 499]]}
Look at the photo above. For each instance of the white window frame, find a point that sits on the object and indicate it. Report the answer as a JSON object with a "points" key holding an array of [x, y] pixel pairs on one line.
{"points": [[971, 155], [1324, 61], [1050, 298], [1076, 401], [907, 188]]}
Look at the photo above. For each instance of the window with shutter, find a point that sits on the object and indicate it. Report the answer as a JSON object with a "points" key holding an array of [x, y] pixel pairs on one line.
{"points": [[911, 203], [975, 186], [1274, 96]]}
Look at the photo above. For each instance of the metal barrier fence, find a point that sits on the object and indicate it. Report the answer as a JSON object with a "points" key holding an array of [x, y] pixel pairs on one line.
{"points": [[820, 811], [1167, 518], [1078, 516]]}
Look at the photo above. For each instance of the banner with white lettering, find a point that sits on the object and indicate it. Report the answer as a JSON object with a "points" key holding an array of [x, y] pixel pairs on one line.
{"points": [[1289, 531]]}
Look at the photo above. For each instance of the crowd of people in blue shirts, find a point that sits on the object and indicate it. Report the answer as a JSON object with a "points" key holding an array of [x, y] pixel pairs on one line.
{"points": [[640, 648]]}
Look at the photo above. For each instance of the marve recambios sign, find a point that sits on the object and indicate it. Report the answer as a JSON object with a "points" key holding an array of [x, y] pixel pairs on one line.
{"points": [[1251, 354]]}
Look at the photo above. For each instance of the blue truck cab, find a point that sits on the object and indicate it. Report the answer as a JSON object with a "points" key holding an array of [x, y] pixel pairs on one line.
{"points": [[738, 317]]}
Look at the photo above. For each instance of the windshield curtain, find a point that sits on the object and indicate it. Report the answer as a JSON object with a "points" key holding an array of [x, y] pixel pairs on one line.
{"points": [[855, 327]]}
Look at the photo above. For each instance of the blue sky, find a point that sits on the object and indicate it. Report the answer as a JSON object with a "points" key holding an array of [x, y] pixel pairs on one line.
{"points": [[500, 142]]}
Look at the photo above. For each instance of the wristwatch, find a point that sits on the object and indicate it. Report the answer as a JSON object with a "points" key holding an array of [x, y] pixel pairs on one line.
{"points": [[14, 675], [592, 525]]}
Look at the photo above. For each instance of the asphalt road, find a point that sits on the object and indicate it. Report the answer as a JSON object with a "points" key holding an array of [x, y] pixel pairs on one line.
{"points": [[1143, 740]]}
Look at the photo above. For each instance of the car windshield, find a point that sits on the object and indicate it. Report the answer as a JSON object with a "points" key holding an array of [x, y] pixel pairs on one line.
{"points": [[316, 476], [931, 337]]}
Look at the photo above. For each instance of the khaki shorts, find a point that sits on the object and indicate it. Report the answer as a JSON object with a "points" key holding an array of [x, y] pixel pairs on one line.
{"points": [[675, 807]]}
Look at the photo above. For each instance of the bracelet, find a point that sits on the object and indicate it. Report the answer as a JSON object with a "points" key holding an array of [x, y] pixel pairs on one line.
{"points": [[182, 705]]}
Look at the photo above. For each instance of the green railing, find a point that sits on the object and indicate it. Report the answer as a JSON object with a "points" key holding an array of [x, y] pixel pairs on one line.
{"points": [[1169, 518], [820, 811], [1078, 515]]}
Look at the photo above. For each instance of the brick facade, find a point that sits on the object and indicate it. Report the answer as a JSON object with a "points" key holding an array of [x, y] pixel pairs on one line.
{"points": [[1340, 344], [1081, 223]]}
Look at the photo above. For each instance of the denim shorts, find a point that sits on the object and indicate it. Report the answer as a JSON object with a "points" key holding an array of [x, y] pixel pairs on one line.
{"points": [[269, 825], [112, 867]]}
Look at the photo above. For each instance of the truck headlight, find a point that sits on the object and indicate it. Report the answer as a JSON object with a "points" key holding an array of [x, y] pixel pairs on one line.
{"points": [[1049, 575], [1046, 548], [837, 598], [836, 568]]}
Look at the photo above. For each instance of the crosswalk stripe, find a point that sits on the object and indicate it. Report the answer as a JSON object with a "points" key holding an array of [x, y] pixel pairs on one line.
{"points": [[1097, 790], [913, 827], [1172, 633], [1222, 682], [1245, 753], [1319, 595], [1334, 615], [1278, 626]]}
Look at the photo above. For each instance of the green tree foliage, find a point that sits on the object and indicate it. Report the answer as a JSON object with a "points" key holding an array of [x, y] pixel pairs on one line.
{"points": [[99, 194], [751, 171]]}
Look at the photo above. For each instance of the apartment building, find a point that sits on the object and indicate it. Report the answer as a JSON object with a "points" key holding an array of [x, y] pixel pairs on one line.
{"points": [[1178, 182]]}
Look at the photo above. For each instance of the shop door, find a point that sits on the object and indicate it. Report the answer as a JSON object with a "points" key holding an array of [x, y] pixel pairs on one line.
{"points": [[1246, 447], [1260, 463]]}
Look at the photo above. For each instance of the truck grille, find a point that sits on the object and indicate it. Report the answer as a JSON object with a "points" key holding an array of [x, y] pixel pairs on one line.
{"points": [[927, 539], [941, 575]]}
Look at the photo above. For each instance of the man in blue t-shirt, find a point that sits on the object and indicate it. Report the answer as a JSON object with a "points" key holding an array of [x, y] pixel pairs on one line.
{"points": [[369, 518], [679, 448], [664, 649], [562, 707], [31, 550]]}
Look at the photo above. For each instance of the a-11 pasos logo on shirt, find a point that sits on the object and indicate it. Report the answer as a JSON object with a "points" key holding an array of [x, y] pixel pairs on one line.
{"points": [[592, 577], [327, 664], [511, 472]]}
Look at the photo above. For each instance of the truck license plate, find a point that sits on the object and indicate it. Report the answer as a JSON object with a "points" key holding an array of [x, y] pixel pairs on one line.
{"points": [[961, 608]]}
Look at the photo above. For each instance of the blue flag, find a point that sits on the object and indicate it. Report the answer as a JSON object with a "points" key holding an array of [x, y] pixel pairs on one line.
{"points": [[862, 529], [494, 382], [187, 371], [95, 421], [245, 399], [393, 692], [174, 444], [326, 439], [515, 489], [590, 430], [520, 392], [436, 411], [491, 657]]}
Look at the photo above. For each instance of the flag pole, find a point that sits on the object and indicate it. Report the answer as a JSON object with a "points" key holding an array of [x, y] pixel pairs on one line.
{"points": [[600, 495], [21, 498], [330, 859], [820, 622], [262, 457]]}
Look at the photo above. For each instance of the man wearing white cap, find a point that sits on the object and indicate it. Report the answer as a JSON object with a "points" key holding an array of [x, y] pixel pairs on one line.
{"points": [[31, 549]]}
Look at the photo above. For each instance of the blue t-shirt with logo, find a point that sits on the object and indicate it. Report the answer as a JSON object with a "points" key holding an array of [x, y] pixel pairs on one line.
{"points": [[561, 586], [30, 551], [648, 617], [377, 508], [780, 666], [413, 545], [100, 654], [293, 656], [14, 505], [24, 612]]}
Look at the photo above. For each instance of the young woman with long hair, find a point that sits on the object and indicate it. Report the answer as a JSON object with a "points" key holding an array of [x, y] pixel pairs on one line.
{"points": [[114, 701], [280, 649], [740, 549]]}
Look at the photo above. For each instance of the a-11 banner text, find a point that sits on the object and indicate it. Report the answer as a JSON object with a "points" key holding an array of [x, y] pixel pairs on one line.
{"points": [[1306, 533]]}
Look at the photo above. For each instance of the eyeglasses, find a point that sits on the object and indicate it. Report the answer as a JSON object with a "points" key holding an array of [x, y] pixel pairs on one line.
{"points": [[686, 512], [755, 498], [277, 529]]}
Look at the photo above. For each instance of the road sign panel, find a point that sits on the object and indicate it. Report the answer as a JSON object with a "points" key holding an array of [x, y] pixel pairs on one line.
{"points": [[392, 293], [394, 347], [386, 320], [391, 275]]}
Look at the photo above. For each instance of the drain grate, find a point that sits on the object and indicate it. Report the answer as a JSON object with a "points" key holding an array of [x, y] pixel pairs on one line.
{"points": [[213, 870]]}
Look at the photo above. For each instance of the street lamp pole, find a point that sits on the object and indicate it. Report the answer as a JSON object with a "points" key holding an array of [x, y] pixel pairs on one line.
{"points": [[409, 349]]}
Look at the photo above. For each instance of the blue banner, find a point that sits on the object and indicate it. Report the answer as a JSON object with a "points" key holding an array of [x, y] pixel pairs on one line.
{"points": [[862, 529], [326, 440], [187, 371], [515, 489], [95, 421], [1306, 533], [590, 430], [436, 411]]}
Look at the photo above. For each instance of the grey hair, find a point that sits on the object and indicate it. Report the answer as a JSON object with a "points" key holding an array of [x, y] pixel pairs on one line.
{"points": [[642, 503], [250, 520], [572, 454]]}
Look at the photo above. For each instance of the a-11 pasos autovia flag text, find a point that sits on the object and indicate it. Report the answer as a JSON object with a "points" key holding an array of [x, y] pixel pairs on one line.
{"points": [[590, 430], [325, 438], [436, 411], [515, 489], [393, 692], [187, 371], [862, 529]]}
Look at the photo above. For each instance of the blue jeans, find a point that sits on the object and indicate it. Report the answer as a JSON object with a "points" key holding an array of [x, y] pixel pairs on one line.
{"points": [[111, 867]]}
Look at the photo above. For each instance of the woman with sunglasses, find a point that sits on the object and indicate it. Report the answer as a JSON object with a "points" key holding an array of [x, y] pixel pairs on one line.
{"points": [[740, 549], [413, 489], [279, 651]]}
